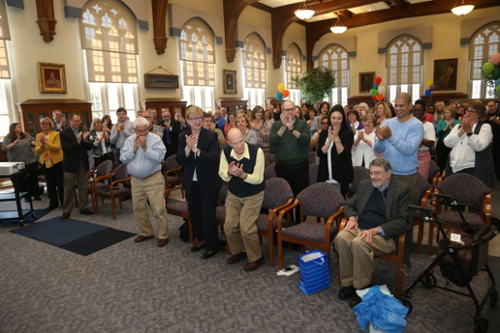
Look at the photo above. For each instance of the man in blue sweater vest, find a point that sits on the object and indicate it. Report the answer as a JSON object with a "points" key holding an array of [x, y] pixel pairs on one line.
{"points": [[242, 167]]}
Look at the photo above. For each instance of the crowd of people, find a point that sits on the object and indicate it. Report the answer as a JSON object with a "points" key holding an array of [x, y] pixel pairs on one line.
{"points": [[394, 141]]}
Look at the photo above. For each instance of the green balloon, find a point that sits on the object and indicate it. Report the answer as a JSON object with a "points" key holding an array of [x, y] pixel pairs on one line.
{"points": [[495, 75], [374, 92], [498, 89], [488, 67]]}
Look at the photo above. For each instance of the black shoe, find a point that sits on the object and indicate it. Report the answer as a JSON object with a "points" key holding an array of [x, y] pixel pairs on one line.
{"points": [[37, 198], [86, 212], [65, 216], [346, 292], [196, 248], [355, 300], [209, 254]]}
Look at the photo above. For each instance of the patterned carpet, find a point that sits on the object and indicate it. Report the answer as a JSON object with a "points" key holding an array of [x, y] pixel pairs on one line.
{"points": [[138, 288]]}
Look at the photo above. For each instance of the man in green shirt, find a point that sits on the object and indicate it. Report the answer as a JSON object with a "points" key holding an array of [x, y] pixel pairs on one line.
{"points": [[289, 139]]}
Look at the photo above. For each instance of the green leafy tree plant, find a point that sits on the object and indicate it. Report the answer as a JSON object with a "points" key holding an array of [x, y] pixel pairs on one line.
{"points": [[315, 84]]}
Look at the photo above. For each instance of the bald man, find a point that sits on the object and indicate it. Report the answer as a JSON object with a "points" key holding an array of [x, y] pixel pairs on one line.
{"points": [[242, 167]]}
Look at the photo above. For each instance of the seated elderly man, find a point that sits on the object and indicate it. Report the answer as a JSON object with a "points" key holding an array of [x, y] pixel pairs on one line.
{"points": [[377, 215]]}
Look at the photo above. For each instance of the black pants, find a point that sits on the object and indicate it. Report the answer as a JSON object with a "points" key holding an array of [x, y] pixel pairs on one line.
{"points": [[296, 175], [202, 209], [55, 183], [32, 187], [99, 160]]}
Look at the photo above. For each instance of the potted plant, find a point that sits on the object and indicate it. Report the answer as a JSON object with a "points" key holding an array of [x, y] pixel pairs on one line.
{"points": [[315, 83]]}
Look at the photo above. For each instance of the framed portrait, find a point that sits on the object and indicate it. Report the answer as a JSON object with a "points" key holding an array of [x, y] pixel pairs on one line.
{"points": [[366, 82], [229, 81], [52, 78], [445, 74]]}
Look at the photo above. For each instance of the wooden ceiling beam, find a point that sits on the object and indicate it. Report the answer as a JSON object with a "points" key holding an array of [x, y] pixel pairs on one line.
{"points": [[160, 25], [316, 30], [232, 12]]}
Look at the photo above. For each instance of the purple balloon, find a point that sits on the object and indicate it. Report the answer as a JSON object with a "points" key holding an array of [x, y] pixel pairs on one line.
{"points": [[432, 87], [427, 93]]}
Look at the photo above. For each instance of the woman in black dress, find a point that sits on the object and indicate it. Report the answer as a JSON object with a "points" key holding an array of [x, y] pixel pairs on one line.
{"points": [[334, 151]]}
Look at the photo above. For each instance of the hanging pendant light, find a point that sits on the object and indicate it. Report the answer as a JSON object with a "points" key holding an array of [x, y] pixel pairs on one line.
{"points": [[303, 12], [339, 27], [462, 9]]}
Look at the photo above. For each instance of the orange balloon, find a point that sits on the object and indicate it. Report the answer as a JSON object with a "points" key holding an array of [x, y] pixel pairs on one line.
{"points": [[286, 93], [380, 97]]}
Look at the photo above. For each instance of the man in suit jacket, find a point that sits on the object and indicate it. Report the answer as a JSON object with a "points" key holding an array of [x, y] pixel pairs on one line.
{"points": [[171, 130], [377, 215], [75, 144]]}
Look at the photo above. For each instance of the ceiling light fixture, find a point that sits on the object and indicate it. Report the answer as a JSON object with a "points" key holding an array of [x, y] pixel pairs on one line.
{"points": [[303, 12], [339, 27], [462, 9]]}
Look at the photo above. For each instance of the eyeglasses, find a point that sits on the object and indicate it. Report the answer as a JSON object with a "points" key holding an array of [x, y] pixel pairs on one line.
{"points": [[196, 119], [471, 111], [289, 110], [376, 173]]}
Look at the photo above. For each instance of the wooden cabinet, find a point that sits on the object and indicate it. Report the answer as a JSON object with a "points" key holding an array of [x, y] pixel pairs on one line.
{"points": [[164, 104], [231, 104], [32, 111]]}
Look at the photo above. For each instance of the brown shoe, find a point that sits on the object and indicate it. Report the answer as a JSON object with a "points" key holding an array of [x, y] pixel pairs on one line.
{"points": [[162, 242], [252, 266], [141, 238], [237, 257]]}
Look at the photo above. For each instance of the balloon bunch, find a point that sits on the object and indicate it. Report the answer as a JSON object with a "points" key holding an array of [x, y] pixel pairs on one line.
{"points": [[491, 70], [282, 93], [432, 87], [378, 91]]}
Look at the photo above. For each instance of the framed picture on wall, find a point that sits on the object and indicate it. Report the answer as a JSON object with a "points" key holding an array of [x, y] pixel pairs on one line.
{"points": [[366, 81], [445, 74], [229, 81], [52, 78]]}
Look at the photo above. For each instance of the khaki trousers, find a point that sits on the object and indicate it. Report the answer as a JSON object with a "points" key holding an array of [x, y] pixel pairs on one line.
{"points": [[356, 256], [81, 178], [240, 228], [150, 188]]}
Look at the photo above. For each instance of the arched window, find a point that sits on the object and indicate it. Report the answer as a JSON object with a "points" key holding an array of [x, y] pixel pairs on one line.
{"points": [[108, 31], [254, 66], [197, 54], [483, 43], [335, 57], [6, 113], [404, 59], [293, 68]]}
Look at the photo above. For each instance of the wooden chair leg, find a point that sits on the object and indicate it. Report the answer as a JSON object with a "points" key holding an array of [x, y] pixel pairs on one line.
{"points": [[420, 237], [113, 203], [271, 249], [399, 280], [280, 254]]}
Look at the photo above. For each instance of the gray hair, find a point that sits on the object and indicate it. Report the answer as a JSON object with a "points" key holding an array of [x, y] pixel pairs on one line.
{"points": [[138, 122], [381, 162]]}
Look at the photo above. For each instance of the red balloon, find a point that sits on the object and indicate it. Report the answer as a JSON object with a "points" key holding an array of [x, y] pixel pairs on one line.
{"points": [[378, 80], [285, 93], [374, 98], [380, 97]]}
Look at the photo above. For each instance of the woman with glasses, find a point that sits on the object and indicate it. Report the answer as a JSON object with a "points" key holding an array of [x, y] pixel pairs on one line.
{"points": [[19, 147], [363, 152], [49, 149], [325, 122], [199, 152], [444, 128], [99, 138], [470, 144], [334, 151], [324, 107]]}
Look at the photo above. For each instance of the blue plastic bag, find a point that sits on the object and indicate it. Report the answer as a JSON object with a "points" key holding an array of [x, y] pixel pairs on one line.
{"points": [[383, 311]]}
